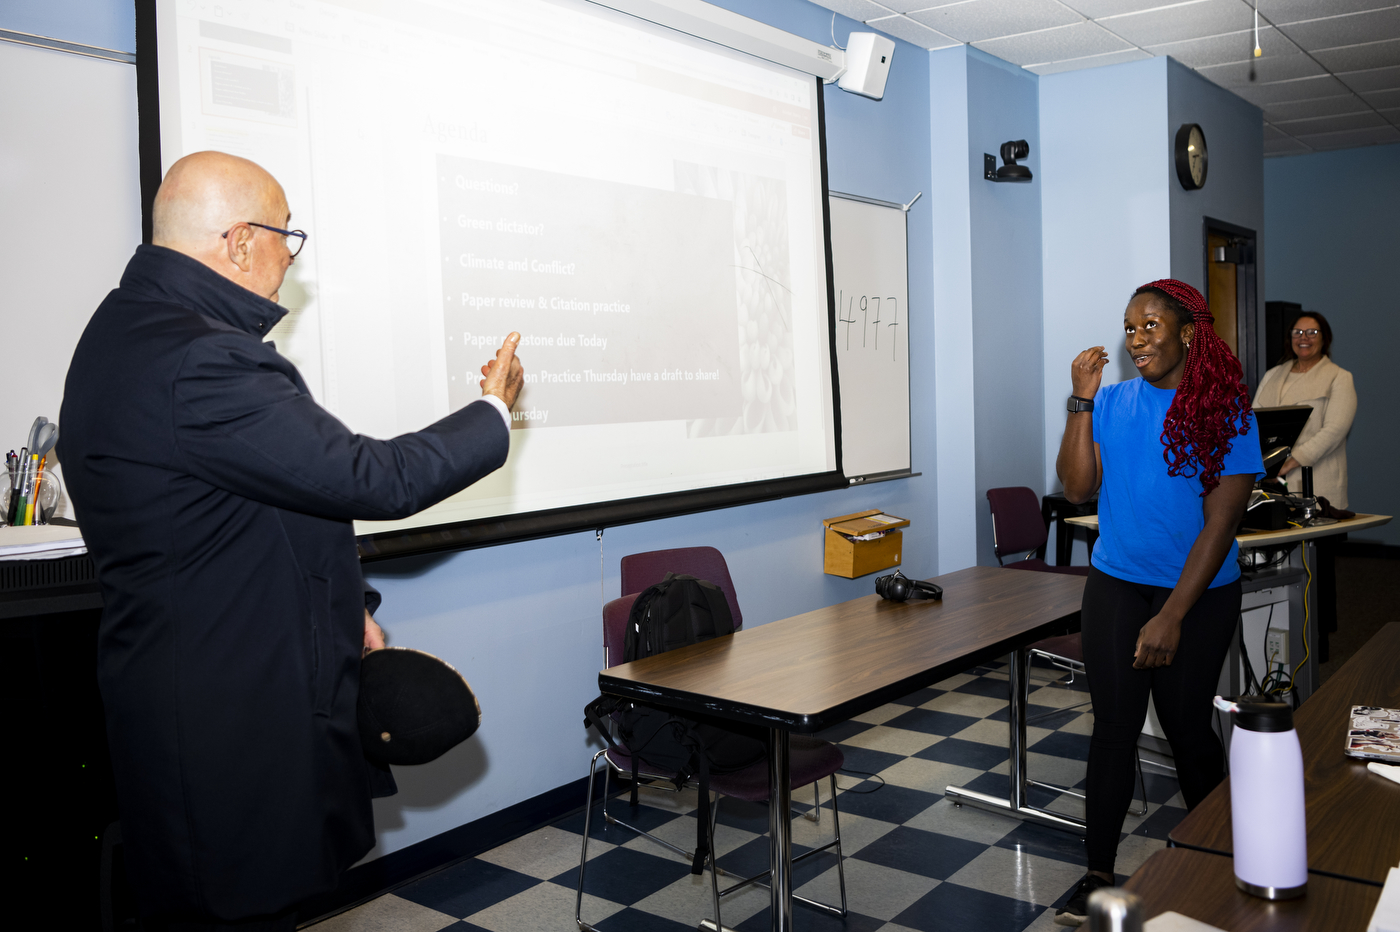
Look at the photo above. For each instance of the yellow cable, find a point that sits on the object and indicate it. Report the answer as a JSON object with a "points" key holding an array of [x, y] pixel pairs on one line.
{"points": [[1306, 650]]}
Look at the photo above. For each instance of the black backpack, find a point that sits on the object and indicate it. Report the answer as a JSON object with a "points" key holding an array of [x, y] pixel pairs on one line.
{"points": [[677, 611]]}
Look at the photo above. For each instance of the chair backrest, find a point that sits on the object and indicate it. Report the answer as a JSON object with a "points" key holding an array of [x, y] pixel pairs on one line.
{"points": [[640, 570], [615, 628], [1017, 525]]}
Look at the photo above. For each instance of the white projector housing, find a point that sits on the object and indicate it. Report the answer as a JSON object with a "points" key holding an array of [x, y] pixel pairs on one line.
{"points": [[868, 57]]}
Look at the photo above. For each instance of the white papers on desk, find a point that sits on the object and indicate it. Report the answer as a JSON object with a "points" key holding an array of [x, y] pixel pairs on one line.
{"points": [[1386, 918], [40, 542], [1175, 922]]}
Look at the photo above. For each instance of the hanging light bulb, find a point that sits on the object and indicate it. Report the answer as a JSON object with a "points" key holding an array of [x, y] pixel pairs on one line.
{"points": [[1257, 50]]}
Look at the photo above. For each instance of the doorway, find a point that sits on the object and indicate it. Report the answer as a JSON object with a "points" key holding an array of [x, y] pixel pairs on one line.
{"points": [[1232, 290]]}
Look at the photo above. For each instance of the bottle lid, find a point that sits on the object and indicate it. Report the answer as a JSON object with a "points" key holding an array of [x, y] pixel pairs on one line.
{"points": [[1258, 713]]}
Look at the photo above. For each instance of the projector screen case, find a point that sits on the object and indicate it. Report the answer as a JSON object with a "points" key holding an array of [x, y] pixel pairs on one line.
{"points": [[648, 209]]}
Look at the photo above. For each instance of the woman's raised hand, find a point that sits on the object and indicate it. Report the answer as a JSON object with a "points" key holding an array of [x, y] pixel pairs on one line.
{"points": [[1087, 371]]}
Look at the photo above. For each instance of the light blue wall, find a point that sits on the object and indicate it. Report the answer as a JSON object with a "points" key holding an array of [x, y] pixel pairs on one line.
{"points": [[1003, 105], [1234, 188], [954, 396], [108, 24], [1105, 205], [1333, 223]]}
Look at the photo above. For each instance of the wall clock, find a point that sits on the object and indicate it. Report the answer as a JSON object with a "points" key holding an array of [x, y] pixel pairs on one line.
{"points": [[1191, 156]]}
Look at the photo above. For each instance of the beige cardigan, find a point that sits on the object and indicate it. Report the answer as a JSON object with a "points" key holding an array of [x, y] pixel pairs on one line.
{"points": [[1327, 388]]}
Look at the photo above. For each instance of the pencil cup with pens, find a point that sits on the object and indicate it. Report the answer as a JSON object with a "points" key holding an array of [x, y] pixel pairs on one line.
{"points": [[30, 494]]}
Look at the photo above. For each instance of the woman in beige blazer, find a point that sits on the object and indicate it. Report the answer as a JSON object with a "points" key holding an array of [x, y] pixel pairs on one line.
{"points": [[1308, 376]]}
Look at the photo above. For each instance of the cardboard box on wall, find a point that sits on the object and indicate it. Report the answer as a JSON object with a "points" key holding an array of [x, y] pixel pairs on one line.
{"points": [[851, 558]]}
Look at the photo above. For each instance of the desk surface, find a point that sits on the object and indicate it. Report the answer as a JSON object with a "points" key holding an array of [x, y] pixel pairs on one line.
{"points": [[1353, 815], [1286, 536], [1202, 886], [811, 671]]}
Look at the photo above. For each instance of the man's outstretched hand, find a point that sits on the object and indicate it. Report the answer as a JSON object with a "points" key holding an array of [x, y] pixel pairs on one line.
{"points": [[504, 375]]}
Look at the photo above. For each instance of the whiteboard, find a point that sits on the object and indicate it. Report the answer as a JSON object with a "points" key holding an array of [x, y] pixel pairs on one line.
{"points": [[71, 201], [870, 273]]}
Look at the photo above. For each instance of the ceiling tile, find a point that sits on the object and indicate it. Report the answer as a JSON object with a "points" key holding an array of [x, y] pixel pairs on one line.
{"points": [[1273, 150], [858, 10], [1088, 61], [1278, 68], [1095, 9], [1192, 20], [1356, 57], [1383, 100], [1262, 95], [1392, 116], [1292, 11], [1331, 124], [1274, 135], [989, 19], [904, 6], [1375, 136], [902, 27], [1345, 30], [1077, 41], [1219, 50], [1376, 79], [1310, 109]]}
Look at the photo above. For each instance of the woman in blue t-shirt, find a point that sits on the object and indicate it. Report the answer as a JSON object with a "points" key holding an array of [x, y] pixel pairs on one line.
{"points": [[1173, 469]]}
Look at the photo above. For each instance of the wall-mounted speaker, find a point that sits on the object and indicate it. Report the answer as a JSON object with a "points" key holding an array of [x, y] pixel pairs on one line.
{"points": [[868, 57]]}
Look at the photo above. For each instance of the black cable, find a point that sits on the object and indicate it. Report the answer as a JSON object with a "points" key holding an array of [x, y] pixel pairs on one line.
{"points": [[863, 774], [1249, 676]]}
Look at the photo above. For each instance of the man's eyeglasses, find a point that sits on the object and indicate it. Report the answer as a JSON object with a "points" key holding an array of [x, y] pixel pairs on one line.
{"points": [[1296, 333], [300, 236]]}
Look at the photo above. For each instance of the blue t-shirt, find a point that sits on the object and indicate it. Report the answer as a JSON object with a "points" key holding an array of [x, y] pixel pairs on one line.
{"points": [[1148, 520]]}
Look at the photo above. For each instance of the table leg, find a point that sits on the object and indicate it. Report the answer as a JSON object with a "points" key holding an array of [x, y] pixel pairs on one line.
{"points": [[780, 829], [1017, 805]]}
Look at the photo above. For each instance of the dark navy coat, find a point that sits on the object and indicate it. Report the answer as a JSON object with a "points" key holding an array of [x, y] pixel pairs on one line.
{"points": [[215, 497]]}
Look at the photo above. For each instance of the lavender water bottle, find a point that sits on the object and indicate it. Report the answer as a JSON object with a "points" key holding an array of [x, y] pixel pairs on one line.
{"points": [[1266, 799]]}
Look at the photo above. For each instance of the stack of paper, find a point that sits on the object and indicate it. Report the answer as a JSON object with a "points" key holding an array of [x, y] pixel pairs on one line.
{"points": [[1386, 918], [40, 542]]}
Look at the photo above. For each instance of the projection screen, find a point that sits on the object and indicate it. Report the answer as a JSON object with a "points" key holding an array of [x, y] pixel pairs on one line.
{"points": [[646, 208]]}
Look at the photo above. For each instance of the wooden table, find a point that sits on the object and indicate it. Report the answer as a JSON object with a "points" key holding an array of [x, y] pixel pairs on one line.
{"points": [[1287, 535], [808, 672], [1353, 820], [1202, 886]]}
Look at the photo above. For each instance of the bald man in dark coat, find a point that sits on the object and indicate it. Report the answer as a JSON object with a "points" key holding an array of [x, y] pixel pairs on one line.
{"points": [[216, 498]]}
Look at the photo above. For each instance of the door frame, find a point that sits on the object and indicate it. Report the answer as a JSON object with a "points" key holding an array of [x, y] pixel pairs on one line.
{"points": [[1247, 292]]}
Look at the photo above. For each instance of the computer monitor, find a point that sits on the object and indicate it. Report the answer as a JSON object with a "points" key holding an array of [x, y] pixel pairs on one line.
{"points": [[1278, 431]]}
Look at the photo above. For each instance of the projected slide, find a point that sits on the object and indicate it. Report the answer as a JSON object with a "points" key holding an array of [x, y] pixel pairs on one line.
{"points": [[644, 207], [624, 295]]}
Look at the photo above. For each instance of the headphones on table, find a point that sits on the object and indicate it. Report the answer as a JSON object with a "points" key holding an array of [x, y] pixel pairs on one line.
{"points": [[897, 587]]}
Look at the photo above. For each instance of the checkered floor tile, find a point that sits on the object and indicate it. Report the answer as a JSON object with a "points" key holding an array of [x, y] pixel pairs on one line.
{"points": [[913, 860]]}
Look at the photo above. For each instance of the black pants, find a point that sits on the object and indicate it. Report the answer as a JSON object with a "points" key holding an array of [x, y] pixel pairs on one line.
{"points": [[1113, 615], [284, 922]]}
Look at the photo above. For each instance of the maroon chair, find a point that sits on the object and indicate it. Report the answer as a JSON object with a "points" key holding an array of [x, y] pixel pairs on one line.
{"points": [[1019, 527], [640, 570], [811, 759]]}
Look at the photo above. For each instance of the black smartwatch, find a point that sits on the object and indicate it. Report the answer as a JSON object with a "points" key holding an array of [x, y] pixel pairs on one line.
{"points": [[1077, 404]]}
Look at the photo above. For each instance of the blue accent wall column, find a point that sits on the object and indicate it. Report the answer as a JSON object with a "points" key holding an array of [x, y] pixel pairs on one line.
{"points": [[1234, 188], [1333, 230], [1003, 105], [954, 393], [1107, 217]]}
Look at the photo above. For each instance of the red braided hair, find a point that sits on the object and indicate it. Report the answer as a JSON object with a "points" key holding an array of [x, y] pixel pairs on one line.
{"points": [[1211, 404]]}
